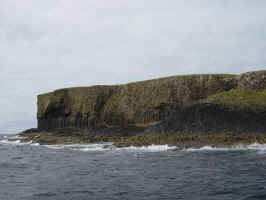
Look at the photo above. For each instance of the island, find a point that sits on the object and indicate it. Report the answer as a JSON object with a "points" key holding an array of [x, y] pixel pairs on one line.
{"points": [[188, 110]]}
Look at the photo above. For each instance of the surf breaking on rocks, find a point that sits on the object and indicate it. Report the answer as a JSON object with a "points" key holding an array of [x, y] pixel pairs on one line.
{"points": [[105, 146]]}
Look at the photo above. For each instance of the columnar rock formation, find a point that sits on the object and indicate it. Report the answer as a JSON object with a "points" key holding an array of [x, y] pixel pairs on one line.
{"points": [[189, 103]]}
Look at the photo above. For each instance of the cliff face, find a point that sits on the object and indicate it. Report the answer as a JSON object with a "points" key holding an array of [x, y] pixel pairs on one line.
{"points": [[74, 107], [180, 103]]}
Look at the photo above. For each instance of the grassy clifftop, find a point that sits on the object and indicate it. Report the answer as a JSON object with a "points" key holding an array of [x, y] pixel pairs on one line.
{"points": [[250, 94], [240, 99]]}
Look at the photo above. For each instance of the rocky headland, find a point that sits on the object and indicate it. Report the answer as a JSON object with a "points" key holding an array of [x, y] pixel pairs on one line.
{"points": [[191, 109]]}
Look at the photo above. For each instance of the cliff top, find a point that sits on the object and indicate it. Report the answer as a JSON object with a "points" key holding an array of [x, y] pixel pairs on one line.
{"points": [[155, 80]]}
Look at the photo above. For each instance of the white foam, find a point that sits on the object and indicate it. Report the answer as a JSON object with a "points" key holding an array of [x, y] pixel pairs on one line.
{"points": [[92, 147], [84, 147], [6, 141], [14, 142], [210, 148], [261, 148], [14, 137], [150, 148], [111, 147], [17, 142], [35, 144], [253, 147], [54, 146]]}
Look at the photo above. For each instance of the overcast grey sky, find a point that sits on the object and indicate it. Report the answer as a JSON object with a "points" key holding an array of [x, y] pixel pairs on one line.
{"points": [[51, 44]]}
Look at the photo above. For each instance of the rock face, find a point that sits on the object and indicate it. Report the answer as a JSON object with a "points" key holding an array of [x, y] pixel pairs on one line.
{"points": [[192, 103]]}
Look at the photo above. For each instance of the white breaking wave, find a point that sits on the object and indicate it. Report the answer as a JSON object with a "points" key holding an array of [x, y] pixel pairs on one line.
{"points": [[6, 141], [107, 146], [14, 137], [211, 148], [111, 147], [14, 142], [83, 147], [35, 144], [17, 142], [150, 148], [258, 147], [255, 147]]}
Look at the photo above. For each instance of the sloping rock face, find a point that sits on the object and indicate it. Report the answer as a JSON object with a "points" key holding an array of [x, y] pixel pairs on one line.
{"points": [[169, 104], [241, 109]]}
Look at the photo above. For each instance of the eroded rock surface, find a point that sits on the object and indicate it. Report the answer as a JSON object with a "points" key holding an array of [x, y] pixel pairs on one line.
{"points": [[189, 103]]}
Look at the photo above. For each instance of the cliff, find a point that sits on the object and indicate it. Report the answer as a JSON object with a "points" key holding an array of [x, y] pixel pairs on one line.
{"points": [[192, 103]]}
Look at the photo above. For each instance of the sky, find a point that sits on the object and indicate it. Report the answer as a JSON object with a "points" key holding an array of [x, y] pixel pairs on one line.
{"points": [[51, 44]]}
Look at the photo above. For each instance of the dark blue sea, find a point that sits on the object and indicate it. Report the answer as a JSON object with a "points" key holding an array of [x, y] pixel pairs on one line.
{"points": [[103, 172]]}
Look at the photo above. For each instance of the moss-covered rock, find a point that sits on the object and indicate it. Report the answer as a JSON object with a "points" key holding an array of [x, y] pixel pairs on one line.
{"points": [[141, 104], [240, 99]]}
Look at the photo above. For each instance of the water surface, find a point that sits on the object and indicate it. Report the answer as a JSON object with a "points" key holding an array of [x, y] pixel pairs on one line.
{"points": [[29, 172]]}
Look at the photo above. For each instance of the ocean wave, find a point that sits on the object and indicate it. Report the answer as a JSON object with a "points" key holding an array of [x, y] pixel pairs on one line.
{"points": [[6, 141], [14, 137], [254, 147], [150, 148], [83, 147], [17, 142], [111, 147]]}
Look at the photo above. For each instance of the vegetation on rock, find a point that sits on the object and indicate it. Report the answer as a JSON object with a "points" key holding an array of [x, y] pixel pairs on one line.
{"points": [[240, 99], [148, 111]]}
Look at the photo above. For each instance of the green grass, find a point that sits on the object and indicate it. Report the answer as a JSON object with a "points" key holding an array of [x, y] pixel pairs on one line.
{"points": [[189, 76], [240, 99]]}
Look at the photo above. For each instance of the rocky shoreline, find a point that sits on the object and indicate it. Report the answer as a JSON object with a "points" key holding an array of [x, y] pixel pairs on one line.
{"points": [[180, 140]]}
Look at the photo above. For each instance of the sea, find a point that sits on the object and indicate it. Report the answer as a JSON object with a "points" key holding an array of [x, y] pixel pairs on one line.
{"points": [[101, 171]]}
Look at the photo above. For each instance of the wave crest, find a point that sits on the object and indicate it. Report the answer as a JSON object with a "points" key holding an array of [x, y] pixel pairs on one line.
{"points": [[111, 147], [254, 147], [17, 140]]}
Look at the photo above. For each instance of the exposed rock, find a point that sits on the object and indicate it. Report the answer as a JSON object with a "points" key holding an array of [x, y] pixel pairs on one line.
{"points": [[31, 130], [253, 80], [192, 103], [212, 118]]}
